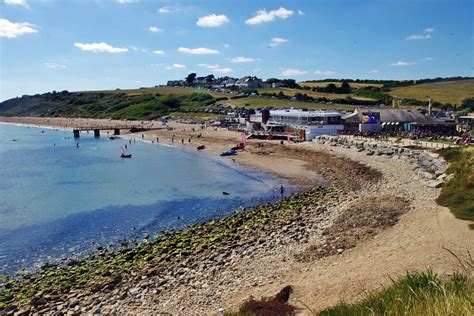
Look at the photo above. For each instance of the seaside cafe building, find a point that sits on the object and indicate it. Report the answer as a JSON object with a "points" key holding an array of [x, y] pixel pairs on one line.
{"points": [[299, 124]]}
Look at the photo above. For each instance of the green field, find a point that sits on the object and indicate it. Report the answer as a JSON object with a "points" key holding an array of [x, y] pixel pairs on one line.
{"points": [[160, 90], [338, 83], [264, 102], [291, 92], [453, 92]]}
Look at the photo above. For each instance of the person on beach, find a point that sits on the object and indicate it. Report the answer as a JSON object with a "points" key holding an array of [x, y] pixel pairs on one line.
{"points": [[157, 140], [143, 136], [282, 191], [182, 141]]}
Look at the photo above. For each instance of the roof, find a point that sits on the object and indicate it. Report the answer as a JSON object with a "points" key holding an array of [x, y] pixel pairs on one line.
{"points": [[297, 113], [393, 115]]}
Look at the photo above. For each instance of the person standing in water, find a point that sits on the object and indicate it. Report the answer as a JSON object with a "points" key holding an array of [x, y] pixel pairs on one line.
{"points": [[282, 191]]}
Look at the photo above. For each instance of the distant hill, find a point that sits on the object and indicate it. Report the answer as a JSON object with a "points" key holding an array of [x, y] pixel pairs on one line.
{"points": [[453, 92]]}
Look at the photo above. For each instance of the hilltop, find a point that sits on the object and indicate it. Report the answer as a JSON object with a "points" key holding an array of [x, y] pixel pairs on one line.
{"points": [[205, 99]]}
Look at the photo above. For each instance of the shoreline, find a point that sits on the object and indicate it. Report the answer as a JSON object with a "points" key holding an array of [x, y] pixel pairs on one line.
{"points": [[322, 248]]}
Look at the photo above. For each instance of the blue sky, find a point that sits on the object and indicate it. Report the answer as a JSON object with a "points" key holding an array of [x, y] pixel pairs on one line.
{"points": [[106, 44]]}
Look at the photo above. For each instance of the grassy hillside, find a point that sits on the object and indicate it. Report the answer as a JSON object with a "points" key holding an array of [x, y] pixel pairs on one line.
{"points": [[314, 94], [264, 102], [453, 92], [458, 194], [416, 294], [159, 90], [338, 83]]}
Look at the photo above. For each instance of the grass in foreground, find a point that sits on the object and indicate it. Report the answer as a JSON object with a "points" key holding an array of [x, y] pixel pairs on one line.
{"points": [[458, 193], [422, 293]]}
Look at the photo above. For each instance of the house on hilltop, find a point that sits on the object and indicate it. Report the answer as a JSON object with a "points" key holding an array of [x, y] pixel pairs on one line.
{"points": [[250, 82]]}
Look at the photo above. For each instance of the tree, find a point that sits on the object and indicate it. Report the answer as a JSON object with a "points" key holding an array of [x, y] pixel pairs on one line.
{"points": [[210, 78], [331, 88], [345, 87], [190, 78]]}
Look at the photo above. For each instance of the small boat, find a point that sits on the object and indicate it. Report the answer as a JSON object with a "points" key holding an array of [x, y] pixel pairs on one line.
{"points": [[126, 156], [225, 193], [231, 152], [201, 147]]}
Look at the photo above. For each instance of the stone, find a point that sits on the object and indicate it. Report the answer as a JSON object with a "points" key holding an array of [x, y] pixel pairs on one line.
{"points": [[434, 184]]}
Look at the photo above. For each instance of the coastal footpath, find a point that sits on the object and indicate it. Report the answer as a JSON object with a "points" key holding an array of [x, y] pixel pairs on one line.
{"points": [[362, 220]]}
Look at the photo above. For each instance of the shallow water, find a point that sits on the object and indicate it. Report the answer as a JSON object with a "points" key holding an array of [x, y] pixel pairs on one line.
{"points": [[57, 200]]}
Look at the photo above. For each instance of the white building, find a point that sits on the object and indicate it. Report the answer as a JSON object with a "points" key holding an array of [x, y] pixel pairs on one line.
{"points": [[313, 122]]}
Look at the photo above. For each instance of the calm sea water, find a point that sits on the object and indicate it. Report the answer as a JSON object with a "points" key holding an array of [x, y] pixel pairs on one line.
{"points": [[57, 200]]}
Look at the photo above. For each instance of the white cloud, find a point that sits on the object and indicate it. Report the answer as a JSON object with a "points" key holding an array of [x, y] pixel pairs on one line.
{"points": [[22, 3], [209, 66], [126, 1], [374, 71], [216, 68], [242, 59], [293, 72], [264, 16], [198, 51], [100, 48], [416, 37], [277, 41], [176, 66], [55, 66], [11, 29], [226, 45], [325, 72], [164, 10], [429, 30], [402, 63], [212, 20], [223, 70], [428, 58], [158, 52], [300, 12], [154, 29]]}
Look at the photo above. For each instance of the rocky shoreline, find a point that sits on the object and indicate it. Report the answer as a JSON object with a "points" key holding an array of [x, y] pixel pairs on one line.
{"points": [[173, 259]]}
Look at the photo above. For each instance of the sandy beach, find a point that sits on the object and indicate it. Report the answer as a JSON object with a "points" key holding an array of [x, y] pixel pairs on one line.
{"points": [[324, 265]]}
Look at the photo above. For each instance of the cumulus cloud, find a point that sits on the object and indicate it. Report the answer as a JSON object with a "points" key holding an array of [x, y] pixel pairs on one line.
{"points": [[293, 72], [264, 16], [154, 29], [324, 72], [158, 52], [277, 41], [11, 29], [176, 66], [416, 37], [164, 10], [429, 30], [216, 68], [212, 20], [402, 63], [241, 59], [198, 51], [55, 66], [100, 48], [225, 70], [22, 3]]}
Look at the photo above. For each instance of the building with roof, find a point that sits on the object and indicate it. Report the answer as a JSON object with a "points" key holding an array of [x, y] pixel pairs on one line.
{"points": [[392, 120]]}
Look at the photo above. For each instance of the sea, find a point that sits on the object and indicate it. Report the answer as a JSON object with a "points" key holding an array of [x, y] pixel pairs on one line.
{"points": [[62, 197]]}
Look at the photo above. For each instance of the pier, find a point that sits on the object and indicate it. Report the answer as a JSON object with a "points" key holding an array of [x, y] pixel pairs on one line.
{"points": [[116, 129]]}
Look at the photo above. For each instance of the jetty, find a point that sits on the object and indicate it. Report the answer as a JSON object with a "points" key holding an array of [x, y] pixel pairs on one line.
{"points": [[116, 129]]}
